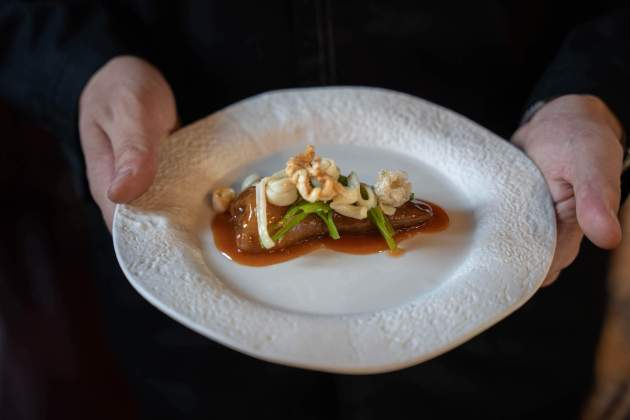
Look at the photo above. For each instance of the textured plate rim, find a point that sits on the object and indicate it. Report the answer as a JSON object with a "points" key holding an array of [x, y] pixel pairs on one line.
{"points": [[356, 369]]}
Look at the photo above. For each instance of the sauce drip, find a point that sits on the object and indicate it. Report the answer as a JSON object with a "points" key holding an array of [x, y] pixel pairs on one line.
{"points": [[350, 244]]}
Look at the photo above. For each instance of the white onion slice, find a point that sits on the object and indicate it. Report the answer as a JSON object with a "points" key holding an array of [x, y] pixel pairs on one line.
{"points": [[349, 210], [281, 192], [249, 180], [261, 214], [371, 200], [221, 199], [353, 180], [388, 210]]}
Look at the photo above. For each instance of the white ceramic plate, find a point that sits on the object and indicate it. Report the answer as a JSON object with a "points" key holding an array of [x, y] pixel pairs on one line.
{"points": [[331, 311]]}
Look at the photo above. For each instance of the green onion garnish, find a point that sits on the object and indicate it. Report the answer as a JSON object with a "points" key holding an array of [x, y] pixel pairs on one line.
{"points": [[290, 224], [298, 212], [383, 225], [363, 191], [328, 219], [291, 211], [332, 228]]}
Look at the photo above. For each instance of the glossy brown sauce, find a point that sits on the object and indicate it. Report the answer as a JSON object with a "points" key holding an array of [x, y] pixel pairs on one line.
{"points": [[349, 244]]}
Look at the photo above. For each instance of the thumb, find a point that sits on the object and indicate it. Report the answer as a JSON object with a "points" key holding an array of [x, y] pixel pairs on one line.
{"points": [[135, 164], [597, 195]]}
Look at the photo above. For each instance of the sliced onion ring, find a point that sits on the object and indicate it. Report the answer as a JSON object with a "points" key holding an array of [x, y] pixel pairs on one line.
{"points": [[261, 214]]}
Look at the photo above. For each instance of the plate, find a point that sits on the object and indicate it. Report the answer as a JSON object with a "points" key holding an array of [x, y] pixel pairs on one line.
{"points": [[330, 311]]}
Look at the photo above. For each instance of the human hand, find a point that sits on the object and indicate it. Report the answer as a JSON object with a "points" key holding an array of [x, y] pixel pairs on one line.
{"points": [[125, 109], [574, 140]]}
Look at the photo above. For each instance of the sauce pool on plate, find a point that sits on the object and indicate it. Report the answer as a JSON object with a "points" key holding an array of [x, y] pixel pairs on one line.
{"points": [[224, 239]]}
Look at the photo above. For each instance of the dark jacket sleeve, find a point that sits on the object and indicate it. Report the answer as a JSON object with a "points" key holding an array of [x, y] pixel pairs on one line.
{"points": [[48, 52], [594, 59]]}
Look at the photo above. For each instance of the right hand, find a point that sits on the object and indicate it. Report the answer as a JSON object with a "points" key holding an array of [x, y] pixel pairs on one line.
{"points": [[125, 110], [574, 140]]}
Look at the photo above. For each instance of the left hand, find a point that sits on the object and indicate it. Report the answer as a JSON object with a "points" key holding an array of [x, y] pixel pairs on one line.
{"points": [[574, 140], [125, 110]]}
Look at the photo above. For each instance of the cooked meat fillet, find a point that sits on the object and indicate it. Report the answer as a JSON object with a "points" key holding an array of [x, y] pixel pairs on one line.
{"points": [[243, 218]]}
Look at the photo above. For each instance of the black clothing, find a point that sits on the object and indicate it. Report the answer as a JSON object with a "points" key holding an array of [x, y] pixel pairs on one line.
{"points": [[481, 59], [485, 60]]}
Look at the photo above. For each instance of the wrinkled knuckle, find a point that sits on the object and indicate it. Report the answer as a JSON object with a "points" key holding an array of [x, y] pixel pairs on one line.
{"points": [[131, 150], [130, 103]]}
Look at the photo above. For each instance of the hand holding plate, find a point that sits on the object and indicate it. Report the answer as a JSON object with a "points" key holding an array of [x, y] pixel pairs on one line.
{"points": [[574, 140], [125, 109]]}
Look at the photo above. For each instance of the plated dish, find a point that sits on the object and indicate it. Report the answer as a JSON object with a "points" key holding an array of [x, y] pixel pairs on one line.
{"points": [[330, 310], [309, 204]]}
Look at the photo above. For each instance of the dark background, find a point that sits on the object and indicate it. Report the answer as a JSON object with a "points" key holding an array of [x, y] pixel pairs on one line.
{"points": [[54, 360]]}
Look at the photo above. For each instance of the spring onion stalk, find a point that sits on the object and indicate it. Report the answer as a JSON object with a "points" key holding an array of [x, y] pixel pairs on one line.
{"points": [[328, 219], [261, 214], [292, 211], [295, 208], [332, 228], [297, 213], [384, 227], [290, 224]]}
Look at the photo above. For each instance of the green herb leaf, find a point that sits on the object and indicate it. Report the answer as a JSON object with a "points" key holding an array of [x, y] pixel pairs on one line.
{"points": [[343, 180]]}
